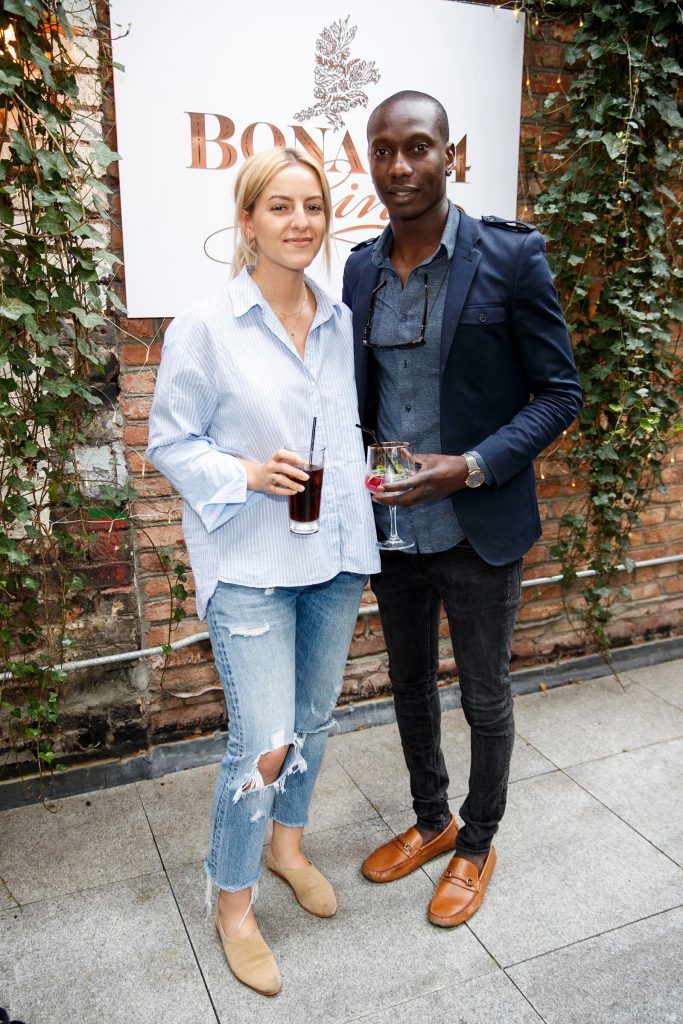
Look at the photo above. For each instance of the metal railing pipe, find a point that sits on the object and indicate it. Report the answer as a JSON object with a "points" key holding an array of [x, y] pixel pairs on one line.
{"points": [[364, 612]]}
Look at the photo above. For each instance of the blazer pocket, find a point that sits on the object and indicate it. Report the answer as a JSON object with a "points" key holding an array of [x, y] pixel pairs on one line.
{"points": [[482, 316]]}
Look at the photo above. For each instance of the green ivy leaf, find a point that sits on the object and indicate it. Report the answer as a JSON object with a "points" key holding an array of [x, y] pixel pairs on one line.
{"points": [[9, 79], [615, 146], [87, 319], [103, 154], [20, 146], [28, 9], [51, 222], [53, 164], [669, 112], [12, 309]]}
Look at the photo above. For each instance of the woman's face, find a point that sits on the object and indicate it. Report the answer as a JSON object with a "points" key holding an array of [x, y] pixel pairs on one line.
{"points": [[288, 219]]}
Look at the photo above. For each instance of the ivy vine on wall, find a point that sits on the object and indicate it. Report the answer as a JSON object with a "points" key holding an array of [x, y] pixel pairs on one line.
{"points": [[55, 291], [607, 178]]}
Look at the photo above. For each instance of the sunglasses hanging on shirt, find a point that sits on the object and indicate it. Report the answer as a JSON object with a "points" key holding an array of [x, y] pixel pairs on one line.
{"points": [[426, 313]]}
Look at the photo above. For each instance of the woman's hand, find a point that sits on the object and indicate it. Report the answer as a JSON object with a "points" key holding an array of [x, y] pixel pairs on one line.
{"points": [[277, 475]]}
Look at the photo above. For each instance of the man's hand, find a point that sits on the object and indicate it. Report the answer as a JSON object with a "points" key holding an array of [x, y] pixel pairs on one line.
{"points": [[438, 476]]}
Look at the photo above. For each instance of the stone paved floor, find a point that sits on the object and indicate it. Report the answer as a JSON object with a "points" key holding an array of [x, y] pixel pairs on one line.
{"points": [[101, 897]]}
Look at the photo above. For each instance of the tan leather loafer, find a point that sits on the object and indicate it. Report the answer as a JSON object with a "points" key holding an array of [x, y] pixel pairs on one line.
{"points": [[251, 961], [460, 891], [406, 852], [312, 890]]}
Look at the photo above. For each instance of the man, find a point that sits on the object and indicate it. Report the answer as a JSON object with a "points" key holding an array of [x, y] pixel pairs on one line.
{"points": [[461, 350]]}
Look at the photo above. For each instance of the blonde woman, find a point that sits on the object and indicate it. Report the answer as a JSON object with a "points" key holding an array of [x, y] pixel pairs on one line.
{"points": [[243, 374]]}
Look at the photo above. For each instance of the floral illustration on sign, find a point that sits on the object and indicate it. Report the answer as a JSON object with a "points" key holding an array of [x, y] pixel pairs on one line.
{"points": [[339, 79]]}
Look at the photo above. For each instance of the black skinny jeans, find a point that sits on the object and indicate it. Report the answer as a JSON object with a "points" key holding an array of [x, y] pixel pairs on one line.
{"points": [[481, 603]]}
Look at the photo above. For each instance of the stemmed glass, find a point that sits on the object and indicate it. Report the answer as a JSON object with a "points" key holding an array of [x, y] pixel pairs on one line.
{"points": [[389, 463]]}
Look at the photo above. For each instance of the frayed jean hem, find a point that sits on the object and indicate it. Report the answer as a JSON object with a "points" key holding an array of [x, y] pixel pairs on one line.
{"points": [[291, 824], [210, 884]]}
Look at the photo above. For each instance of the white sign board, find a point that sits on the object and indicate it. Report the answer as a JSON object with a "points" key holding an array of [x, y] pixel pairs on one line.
{"points": [[208, 83]]}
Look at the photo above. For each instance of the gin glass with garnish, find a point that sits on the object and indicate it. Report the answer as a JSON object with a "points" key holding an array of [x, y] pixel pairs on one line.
{"points": [[389, 463]]}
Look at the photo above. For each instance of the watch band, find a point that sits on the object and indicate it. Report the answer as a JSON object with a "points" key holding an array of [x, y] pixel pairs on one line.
{"points": [[475, 474], [472, 464]]}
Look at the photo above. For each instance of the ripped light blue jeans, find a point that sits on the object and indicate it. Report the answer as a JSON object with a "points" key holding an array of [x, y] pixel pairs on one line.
{"points": [[280, 654]]}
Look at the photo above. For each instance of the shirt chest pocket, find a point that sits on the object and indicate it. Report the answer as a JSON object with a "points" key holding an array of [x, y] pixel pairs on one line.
{"points": [[482, 316]]}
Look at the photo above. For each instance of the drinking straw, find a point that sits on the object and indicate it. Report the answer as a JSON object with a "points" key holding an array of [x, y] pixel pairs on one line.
{"points": [[373, 435], [310, 454]]}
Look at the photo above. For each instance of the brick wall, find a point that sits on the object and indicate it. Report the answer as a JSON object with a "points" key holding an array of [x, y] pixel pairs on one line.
{"points": [[124, 708], [544, 630]]}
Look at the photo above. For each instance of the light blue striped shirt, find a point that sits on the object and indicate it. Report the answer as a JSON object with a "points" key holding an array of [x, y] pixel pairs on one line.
{"points": [[231, 384]]}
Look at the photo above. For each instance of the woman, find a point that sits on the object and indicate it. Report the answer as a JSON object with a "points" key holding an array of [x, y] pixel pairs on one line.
{"points": [[243, 374]]}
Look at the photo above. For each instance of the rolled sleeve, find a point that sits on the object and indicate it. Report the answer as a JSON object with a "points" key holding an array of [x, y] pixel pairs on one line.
{"points": [[211, 480]]}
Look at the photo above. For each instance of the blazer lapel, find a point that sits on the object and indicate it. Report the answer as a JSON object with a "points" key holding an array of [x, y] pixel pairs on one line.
{"points": [[463, 268], [361, 304]]}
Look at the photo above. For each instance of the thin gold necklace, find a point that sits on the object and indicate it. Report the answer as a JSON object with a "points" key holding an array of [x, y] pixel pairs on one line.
{"points": [[298, 312], [292, 334]]}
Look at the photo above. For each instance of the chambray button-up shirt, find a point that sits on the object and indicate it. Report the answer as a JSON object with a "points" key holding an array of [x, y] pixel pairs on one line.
{"points": [[231, 384], [409, 379]]}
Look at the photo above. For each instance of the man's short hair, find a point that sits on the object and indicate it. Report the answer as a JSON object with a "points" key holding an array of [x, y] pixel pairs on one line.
{"points": [[411, 96]]}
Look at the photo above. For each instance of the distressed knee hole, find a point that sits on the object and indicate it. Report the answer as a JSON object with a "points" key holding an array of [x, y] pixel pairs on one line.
{"points": [[248, 630], [273, 767], [270, 764]]}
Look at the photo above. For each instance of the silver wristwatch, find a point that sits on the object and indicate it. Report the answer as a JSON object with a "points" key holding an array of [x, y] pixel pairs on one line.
{"points": [[475, 476]]}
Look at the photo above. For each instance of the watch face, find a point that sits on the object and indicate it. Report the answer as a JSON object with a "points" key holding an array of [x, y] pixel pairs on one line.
{"points": [[475, 479]]}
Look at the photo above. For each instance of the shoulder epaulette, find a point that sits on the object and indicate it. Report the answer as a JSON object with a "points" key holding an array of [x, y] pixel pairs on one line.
{"points": [[363, 245], [508, 225]]}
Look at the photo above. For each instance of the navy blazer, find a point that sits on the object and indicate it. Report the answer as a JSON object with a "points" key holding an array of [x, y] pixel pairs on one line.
{"points": [[509, 384]]}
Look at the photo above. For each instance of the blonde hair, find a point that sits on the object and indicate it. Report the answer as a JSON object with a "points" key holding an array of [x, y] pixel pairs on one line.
{"points": [[252, 178]]}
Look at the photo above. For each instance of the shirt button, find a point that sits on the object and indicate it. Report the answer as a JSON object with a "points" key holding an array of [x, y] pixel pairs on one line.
{"points": [[483, 318], [403, 318], [408, 408]]}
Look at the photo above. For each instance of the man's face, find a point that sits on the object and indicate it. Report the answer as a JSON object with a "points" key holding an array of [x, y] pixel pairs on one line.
{"points": [[408, 159]]}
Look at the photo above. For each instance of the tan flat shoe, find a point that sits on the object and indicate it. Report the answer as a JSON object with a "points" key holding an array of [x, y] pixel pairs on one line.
{"points": [[251, 961], [312, 890]]}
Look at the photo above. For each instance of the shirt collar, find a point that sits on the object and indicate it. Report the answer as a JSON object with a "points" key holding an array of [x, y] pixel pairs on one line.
{"points": [[245, 294], [382, 247]]}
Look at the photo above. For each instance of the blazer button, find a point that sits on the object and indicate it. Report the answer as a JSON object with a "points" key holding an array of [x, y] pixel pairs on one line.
{"points": [[483, 318]]}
